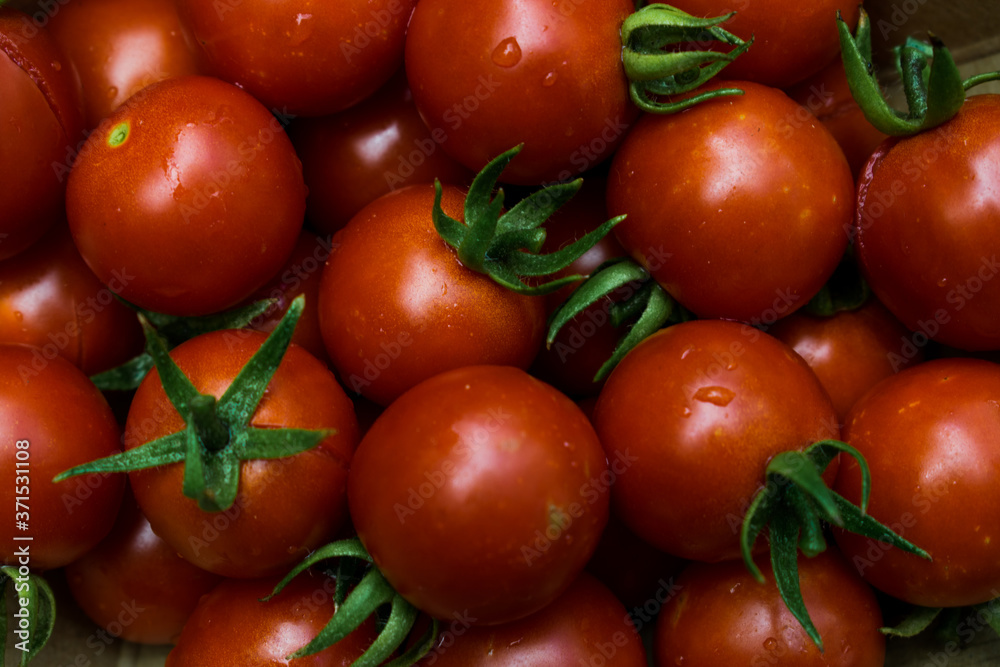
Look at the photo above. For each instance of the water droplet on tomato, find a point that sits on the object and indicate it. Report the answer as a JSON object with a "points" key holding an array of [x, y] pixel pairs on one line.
{"points": [[942, 282], [112, 92], [550, 79], [685, 411], [687, 350], [18, 315], [720, 396], [56, 65], [507, 53], [302, 30], [770, 643]]}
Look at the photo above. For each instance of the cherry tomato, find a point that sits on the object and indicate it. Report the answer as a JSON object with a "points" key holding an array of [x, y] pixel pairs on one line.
{"points": [[119, 47], [546, 74], [926, 221], [397, 307], [190, 197], [480, 492], [719, 615], [285, 507], [307, 58], [931, 435], [52, 418], [751, 208], [701, 407], [50, 299], [136, 580]]}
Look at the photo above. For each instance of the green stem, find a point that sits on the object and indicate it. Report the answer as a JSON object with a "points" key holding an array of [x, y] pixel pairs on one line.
{"points": [[212, 431]]}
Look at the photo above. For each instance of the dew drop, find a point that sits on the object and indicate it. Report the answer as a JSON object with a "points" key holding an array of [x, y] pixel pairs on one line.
{"points": [[550, 79], [507, 53], [685, 411], [303, 29], [720, 396], [687, 350], [112, 92], [770, 643], [942, 282], [19, 316], [56, 65]]}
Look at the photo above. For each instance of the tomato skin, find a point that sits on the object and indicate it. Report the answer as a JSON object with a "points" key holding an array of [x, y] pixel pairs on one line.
{"points": [[582, 626], [939, 491], [42, 114], [543, 73], [397, 306], [850, 351], [285, 507], [232, 626], [927, 212], [215, 184], [704, 405], [481, 493], [50, 299], [119, 47], [134, 570], [308, 58], [750, 230], [719, 615], [66, 422]]}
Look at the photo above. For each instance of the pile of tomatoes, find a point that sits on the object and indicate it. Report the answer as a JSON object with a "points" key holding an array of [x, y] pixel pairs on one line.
{"points": [[232, 169]]}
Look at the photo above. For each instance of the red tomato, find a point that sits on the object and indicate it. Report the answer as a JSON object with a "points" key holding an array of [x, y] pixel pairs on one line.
{"points": [[309, 57], [42, 114], [931, 435], [586, 625], [543, 73], [50, 299], [190, 197], [119, 47], [52, 418], [481, 493], [928, 209], [751, 208], [136, 584], [851, 350], [397, 307], [719, 615], [233, 626], [701, 408], [286, 507], [351, 158]]}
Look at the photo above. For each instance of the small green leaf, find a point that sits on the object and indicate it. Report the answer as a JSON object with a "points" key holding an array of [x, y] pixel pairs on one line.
{"points": [[527, 264], [855, 521], [608, 277], [758, 516], [823, 452], [785, 565], [210, 478], [125, 377], [349, 548], [659, 310], [538, 207], [795, 468], [421, 648], [160, 452], [918, 620], [271, 443], [176, 385], [37, 601]]}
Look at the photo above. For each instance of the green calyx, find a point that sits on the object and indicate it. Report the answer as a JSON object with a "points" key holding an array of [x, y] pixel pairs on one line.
{"points": [[957, 626], [654, 71], [35, 613], [638, 299], [369, 594], [845, 290], [218, 435], [793, 503], [932, 84], [506, 246]]}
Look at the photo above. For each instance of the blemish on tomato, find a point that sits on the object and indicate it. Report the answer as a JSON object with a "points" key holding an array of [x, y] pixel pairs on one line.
{"points": [[119, 134]]}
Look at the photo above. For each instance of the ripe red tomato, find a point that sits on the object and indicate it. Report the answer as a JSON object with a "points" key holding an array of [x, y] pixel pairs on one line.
{"points": [[719, 615], [751, 209], [285, 507], [702, 407], [481, 493], [931, 435], [397, 307], [546, 74], [136, 584], [307, 57], [927, 213], [119, 47], [52, 418], [190, 197]]}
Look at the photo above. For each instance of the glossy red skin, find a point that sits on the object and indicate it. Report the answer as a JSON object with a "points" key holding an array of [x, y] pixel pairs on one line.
{"points": [[232, 626], [41, 115], [458, 488], [565, 97], [215, 183], [352, 158], [54, 406], [752, 204], [702, 407], [120, 47], [286, 507], [308, 58], [940, 490], [135, 581], [792, 40], [397, 307], [719, 615], [50, 299], [852, 350], [585, 625], [927, 213]]}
